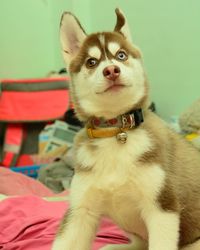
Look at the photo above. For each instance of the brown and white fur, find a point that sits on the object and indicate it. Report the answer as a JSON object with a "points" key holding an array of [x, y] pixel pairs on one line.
{"points": [[149, 186]]}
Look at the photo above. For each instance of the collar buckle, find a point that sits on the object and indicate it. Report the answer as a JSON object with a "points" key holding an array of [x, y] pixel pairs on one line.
{"points": [[128, 121]]}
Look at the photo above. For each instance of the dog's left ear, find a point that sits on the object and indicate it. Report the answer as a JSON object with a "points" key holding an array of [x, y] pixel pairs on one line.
{"points": [[72, 36], [122, 25]]}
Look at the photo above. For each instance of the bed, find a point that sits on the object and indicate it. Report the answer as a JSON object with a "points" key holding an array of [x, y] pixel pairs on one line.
{"points": [[30, 215]]}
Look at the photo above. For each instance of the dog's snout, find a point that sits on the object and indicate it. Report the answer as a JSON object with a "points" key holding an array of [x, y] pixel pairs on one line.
{"points": [[111, 72]]}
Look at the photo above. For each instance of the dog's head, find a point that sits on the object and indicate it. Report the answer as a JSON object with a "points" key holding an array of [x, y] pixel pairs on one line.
{"points": [[107, 75]]}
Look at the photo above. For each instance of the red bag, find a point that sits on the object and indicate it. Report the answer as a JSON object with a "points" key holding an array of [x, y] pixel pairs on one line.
{"points": [[26, 106]]}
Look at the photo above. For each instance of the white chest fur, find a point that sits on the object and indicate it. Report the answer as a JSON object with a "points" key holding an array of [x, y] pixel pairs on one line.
{"points": [[114, 178], [112, 164], [108, 153]]}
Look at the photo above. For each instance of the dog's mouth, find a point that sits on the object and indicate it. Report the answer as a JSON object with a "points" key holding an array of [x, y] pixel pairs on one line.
{"points": [[115, 87]]}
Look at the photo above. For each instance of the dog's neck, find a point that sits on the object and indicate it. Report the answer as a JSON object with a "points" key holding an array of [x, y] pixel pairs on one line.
{"points": [[101, 128]]}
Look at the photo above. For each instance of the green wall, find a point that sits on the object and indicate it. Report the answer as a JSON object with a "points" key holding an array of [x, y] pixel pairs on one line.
{"points": [[29, 35], [168, 33], [26, 47]]}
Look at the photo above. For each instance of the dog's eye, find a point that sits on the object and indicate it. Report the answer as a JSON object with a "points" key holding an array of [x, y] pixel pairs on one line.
{"points": [[91, 62], [121, 55]]}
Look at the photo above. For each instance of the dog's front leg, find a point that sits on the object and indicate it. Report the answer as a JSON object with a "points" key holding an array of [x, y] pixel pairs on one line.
{"points": [[163, 229], [77, 230]]}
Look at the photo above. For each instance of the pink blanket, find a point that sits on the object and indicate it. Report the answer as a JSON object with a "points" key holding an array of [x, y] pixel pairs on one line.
{"points": [[27, 222], [30, 223], [12, 183]]}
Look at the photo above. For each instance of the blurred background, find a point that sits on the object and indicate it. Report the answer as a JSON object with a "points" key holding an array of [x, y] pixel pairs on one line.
{"points": [[168, 33]]}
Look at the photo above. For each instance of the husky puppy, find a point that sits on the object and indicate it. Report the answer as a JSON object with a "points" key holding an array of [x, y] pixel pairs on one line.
{"points": [[129, 165]]}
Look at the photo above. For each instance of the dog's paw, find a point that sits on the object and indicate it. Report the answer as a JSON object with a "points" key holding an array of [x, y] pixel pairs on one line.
{"points": [[60, 244], [124, 247], [116, 247], [109, 247]]}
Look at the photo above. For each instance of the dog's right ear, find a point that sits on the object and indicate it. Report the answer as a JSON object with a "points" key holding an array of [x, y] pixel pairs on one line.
{"points": [[72, 36]]}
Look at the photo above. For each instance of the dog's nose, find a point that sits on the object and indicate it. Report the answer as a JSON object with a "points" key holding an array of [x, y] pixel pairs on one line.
{"points": [[111, 72]]}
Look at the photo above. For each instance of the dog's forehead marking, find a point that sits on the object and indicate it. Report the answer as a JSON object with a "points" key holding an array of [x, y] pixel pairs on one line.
{"points": [[113, 47], [95, 52], [102, 40]]}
